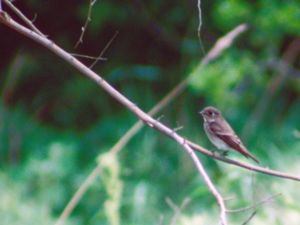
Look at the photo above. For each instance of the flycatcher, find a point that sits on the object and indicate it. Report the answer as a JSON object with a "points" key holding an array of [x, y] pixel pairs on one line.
{"points": [[221, 134]]}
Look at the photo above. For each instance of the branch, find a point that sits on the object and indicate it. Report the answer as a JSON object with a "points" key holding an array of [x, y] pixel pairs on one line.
{"points": [[5, 19], [88, 56], [247, 166], [104, 49], [86, 23], [208, 182], [22, 17], [73, 202], [266, 200], [177, 209], [250, 218]]}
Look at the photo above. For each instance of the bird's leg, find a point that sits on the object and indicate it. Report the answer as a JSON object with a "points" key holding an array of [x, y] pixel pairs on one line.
{"points": [[214, 152], [225, 153], [222, 153]]}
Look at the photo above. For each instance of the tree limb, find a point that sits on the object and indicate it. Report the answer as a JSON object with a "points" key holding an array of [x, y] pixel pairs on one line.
{"points": [[7, 20]]}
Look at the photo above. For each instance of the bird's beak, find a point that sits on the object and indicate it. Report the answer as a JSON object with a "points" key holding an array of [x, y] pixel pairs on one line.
{"points": [[201, 112]]}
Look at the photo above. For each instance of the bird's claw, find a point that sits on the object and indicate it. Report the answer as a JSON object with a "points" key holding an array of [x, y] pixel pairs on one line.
{"points": [[225, 153]]}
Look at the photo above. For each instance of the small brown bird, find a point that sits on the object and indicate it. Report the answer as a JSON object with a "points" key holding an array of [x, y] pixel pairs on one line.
{"points": [[221, 134]]}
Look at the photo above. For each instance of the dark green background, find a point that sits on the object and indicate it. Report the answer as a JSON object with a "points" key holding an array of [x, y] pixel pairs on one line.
{"points": [[54, 122]]}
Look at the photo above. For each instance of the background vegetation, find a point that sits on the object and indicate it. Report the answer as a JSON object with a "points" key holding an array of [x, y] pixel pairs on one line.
{"points": [[54, 122]]}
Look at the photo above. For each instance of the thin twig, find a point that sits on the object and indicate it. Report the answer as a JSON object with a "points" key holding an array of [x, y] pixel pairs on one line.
{"points": [[104, 49], [200, 18], [250, 218], [23, 17], [88, 56], [223, 43], [177, 210], [266, 200], [78, 195], [161, 220], [200, 25], [86, 23], [207, 180]]}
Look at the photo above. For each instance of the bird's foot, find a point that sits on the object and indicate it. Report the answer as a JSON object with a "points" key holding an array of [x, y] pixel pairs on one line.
{"points": [[214, 153], [220, 153], [225, 153]]}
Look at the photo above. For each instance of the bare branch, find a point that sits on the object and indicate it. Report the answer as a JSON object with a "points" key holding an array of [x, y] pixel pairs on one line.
{"points": [[200, 18], [177, 209], [78, 195], [87, 56], [104, 50], [86, 23], [250, 218], [223, 43], [266, 200], [23, 17], [211, 187]]}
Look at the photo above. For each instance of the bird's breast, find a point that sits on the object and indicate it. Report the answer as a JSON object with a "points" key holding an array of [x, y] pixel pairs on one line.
{"points": [[219, 143]]}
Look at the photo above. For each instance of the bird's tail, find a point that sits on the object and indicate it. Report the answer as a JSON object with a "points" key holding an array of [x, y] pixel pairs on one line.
{"points": [[243, 150]]}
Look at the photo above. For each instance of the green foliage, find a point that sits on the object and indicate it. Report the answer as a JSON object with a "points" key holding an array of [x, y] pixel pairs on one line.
{"points": [[17, 208], [223, 81], [113, 185], [232, 12], [272, 20]]}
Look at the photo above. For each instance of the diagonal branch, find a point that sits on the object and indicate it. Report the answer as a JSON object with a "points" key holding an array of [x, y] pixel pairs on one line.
{"points": [[5, 19], [84, 186]]}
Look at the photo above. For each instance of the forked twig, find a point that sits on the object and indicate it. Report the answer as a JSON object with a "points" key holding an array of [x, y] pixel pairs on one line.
{"points": [[23, 17], [266, 200]]}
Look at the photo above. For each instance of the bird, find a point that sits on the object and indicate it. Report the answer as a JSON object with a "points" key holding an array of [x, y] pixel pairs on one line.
{"points": [[220, 133]]}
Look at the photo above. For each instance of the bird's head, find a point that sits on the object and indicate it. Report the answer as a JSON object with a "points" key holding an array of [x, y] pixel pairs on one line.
{"points": [[210, 114]]}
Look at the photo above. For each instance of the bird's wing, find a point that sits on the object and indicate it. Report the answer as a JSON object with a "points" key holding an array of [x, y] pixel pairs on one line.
{"points": [[225, 129], [226, 134]]}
